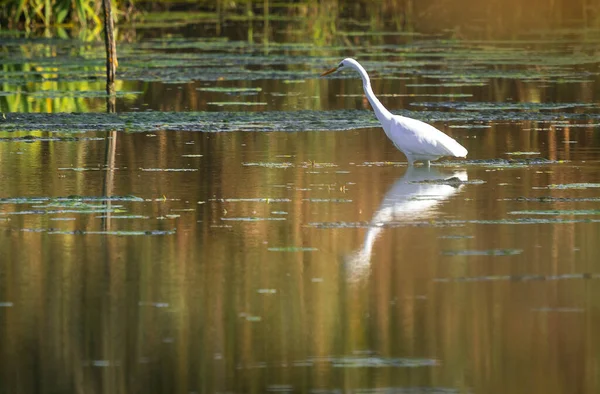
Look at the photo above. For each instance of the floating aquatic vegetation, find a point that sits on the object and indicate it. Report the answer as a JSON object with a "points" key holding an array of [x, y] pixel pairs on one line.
{"points": [[169, 169], [517, 162], [231, 90], [269, 164], [31, 139], [336, 200], [454, 181], [377, 362], [446, 84], [81, 169], [252, 219], [67, 199], [60, 211], [154, 304], [448, 223], [266, 291], [79, 93], [518, 278], [557, 212], [263, 199], [456, 236], [384, 163], [575, 186], [559, 310], [487, 252], [292, 249], [116, 232], [234, 103], [558, 199], [503, 106], [522, 153], [258, 121], [470, 126], [123, 217]]}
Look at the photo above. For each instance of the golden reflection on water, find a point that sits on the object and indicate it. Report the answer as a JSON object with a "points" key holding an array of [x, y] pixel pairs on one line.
{"points": [[254, 306]]}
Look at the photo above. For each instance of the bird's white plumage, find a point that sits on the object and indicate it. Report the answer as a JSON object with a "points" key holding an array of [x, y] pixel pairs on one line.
{"points": [[419, 141]]}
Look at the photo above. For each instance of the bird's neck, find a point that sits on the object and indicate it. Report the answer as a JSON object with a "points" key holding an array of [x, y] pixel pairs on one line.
{"points": [[380, 111]]}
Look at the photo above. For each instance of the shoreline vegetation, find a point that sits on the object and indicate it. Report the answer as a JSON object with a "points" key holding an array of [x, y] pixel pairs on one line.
{"points": [[463, 16]]}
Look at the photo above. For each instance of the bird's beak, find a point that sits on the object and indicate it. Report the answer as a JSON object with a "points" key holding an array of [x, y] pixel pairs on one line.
{"points": [[330, 71]]}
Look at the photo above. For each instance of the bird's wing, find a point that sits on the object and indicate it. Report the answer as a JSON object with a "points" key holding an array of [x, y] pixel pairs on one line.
{"points": [[420, 138]]}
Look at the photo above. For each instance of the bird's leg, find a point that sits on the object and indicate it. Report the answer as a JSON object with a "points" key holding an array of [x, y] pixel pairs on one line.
{"points": [[427, 163], [411, 161]]}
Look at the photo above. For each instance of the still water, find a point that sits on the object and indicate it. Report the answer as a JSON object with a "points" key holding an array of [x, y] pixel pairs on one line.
{"points": [[306, 261]]}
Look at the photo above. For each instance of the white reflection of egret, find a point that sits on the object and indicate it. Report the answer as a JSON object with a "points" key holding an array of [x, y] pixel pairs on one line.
{"points": [[413, 197]]}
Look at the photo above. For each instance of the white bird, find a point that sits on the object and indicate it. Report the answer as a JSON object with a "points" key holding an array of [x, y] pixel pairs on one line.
{"points": [[419, 141]]}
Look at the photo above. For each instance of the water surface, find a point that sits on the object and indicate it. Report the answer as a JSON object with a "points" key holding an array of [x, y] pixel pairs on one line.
{"points": [[296, 251]]}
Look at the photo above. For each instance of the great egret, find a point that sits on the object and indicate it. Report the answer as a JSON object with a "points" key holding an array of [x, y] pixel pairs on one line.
{"points": [[419, 141]]}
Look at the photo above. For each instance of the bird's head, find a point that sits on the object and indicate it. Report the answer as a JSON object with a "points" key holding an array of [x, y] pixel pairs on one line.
{"points": [[344, 64]]}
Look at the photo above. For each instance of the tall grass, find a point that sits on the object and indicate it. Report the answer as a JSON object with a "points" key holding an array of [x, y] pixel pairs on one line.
{"points": [[47, 13]]}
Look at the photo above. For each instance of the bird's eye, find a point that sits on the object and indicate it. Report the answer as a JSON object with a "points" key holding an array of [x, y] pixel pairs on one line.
{"points": [[341, 65]]}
